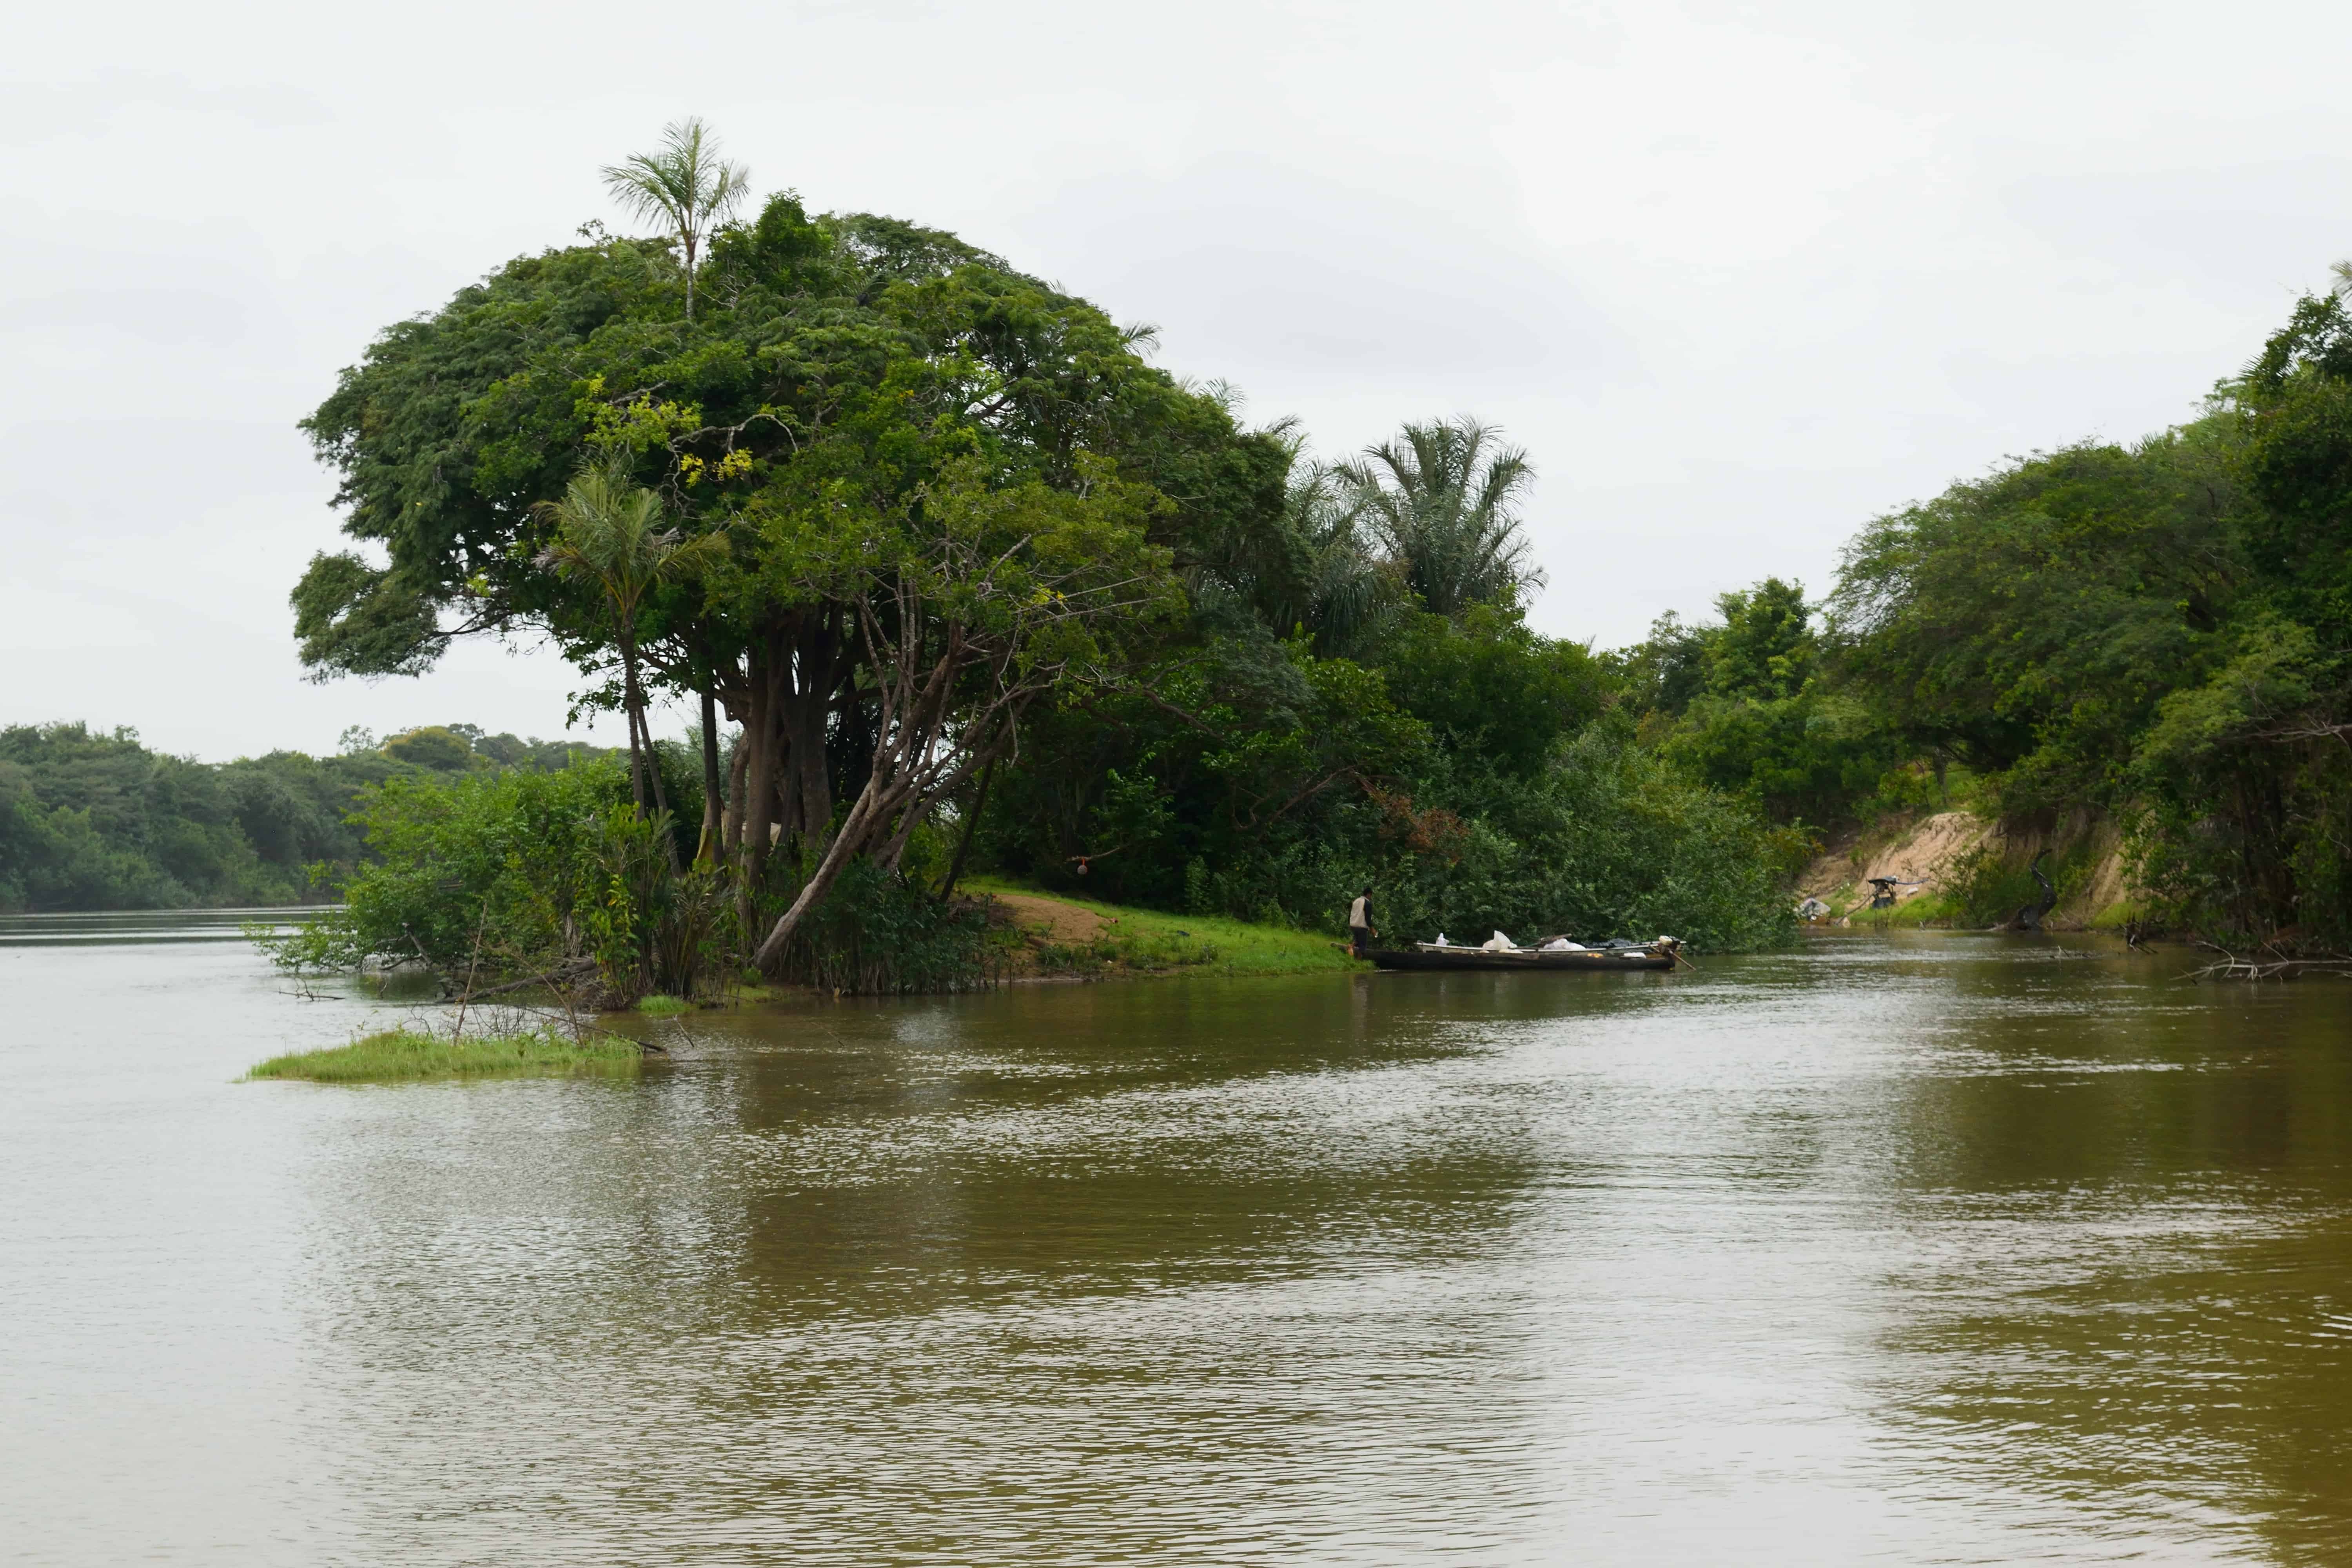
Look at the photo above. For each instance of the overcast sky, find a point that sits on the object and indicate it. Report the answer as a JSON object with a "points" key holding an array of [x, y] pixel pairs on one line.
{"points": [[1738, 276]]}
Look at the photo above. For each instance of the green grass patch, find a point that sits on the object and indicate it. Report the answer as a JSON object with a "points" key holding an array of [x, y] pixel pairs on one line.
{"points": [[405, 1055], [1927, 910], [1153, 942], [659, 1006]]}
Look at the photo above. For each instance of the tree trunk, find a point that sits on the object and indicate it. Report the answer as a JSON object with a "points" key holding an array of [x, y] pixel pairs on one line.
{"points": [[972, 823], [641, 747], [706, 850], [653, 761], [731, 826], [854, 831], [760, 725], [806, 789], [629, 714], [911, 718]]}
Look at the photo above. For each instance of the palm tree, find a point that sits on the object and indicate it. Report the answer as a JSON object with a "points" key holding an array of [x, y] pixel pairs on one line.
{"points": [[608, 531], [1347, 593], [1441, 502], [2343, 284], [686, 186]]}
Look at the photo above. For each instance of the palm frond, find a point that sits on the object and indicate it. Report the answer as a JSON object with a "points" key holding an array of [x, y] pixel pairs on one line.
{"points": [[685, 186], [1440, 502]]}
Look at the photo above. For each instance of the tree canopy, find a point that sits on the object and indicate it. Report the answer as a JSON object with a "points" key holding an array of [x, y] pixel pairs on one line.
{"points": [[957, 533]]}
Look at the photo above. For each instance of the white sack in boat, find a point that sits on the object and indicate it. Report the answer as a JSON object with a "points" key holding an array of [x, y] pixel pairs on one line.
{"points": [[1498, 943]]}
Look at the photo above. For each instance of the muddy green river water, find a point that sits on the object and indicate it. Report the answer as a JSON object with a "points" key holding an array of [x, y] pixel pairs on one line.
{"points": [[1923, 1249]]}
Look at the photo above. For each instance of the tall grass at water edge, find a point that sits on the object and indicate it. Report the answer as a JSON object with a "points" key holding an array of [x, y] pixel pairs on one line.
{"points": [[408, 1053]]}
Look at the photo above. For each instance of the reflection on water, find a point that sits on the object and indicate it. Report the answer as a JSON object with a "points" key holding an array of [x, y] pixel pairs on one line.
{"points": [[115, 928], [1923, 1248]]}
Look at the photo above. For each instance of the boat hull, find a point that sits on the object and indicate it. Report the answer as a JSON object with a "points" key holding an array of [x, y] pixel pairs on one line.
{"points": [[1478, 958]]}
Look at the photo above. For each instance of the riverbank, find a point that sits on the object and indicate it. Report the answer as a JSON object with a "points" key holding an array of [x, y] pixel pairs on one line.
{"points": [[1062, 937], [1956, 870]]}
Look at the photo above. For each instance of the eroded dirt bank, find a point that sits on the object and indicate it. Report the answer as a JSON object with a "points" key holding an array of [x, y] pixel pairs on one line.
{"points": [[1928, 856]]}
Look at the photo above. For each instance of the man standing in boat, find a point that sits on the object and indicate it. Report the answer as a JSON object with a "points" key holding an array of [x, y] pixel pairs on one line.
{"points": [[1360, 924]]}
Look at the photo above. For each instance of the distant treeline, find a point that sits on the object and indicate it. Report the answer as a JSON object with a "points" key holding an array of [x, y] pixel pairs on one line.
{"points": [[97, 821]]}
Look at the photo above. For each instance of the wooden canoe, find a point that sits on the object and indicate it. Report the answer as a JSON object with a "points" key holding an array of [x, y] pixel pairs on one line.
{"points": [[1423, 956]]}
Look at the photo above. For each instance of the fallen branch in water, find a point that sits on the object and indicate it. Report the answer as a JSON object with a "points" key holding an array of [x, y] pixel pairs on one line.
{"points": [[553, 978], [558, 981], [2278, 966]]}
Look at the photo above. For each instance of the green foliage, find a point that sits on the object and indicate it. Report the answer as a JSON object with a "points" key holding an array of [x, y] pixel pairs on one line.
{"points": [[91, 821], [496, 872], [1764, 651], [1233, 753], [2160, 631], [1488, 686], [1607, 842], [487, 876], [1450, 829], [1807, 758], [961, 508], [442, 750], [1441, 502], [409, 1054], [1663, 673], [686, 185], [1743, 707], [876, 933], [492, 874], [94, 821], [2029, 624], [835, 367], [650, 925], [1984, 888]]}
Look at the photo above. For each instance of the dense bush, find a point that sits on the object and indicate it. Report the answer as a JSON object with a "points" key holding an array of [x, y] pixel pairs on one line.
{"points": [[879, 933], [487, 876], [495, 876], [1473, 773], [2163, 632]]}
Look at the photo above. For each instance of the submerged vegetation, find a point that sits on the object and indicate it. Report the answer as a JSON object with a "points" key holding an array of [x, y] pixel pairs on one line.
{"points": [[409, 1053]]}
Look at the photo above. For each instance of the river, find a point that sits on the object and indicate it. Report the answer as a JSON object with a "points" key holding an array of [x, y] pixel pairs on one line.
{"points": [[1931, 1248]]}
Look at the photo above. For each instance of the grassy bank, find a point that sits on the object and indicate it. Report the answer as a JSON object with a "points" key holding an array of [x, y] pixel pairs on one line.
{"points": [[1939, 911], [1082, 937], [405, 1055]]}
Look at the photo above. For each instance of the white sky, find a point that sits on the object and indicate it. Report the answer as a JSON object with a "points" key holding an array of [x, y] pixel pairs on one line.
{"points": [[1738, 276]]}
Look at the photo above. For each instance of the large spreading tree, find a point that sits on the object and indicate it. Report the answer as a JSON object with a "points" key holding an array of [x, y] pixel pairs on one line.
{"points": [[943, 486]]}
